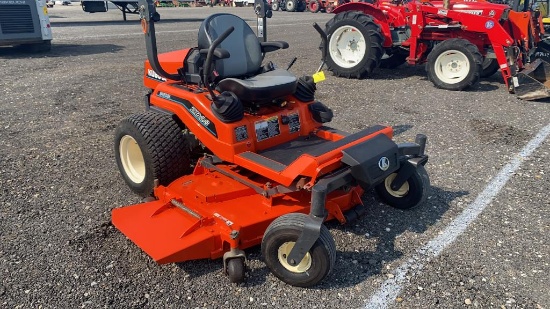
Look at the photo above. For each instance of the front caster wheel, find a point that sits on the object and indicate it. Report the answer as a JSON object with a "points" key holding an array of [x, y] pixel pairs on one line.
{"points": [[235, 270], [278, 241], [411, 194]]}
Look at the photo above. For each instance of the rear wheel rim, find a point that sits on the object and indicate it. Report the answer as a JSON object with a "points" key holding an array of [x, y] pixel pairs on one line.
{"points": [[131, 158], [284, 251], [452, 66], [347, 46]]}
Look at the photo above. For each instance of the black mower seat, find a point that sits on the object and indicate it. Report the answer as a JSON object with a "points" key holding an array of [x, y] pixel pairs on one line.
{"points": [[241, 72], [262, 87]]}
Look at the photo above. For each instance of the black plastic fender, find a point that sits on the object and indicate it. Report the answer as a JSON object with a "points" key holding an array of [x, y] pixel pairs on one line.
{"points": [[373, 160]]}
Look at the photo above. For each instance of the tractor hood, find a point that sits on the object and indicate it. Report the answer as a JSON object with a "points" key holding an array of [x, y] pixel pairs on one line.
{"points": [[481, 8]]}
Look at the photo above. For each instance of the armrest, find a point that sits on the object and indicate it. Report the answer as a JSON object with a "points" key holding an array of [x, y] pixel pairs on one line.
{"points": [[273, 46], [219, 53]]}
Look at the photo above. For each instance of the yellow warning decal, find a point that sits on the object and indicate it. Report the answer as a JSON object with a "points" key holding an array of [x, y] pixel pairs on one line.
{"points": [[319, 77]]}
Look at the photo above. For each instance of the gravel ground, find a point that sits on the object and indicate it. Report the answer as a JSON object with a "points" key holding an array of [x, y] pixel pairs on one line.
{"points": [[59, 181]]}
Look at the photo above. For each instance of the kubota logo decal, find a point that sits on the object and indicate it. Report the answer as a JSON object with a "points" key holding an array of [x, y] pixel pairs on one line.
{"points": [[164, 95], [384, 163], [473, 12], [152, 74]]}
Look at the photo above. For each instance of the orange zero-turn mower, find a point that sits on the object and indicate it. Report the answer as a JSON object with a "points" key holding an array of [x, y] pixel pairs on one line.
{"points": [[232, 153]]}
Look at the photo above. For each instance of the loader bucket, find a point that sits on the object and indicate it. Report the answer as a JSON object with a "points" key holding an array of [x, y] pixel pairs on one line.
{"points": [[542, 51], [165, 233], [533, 82]]}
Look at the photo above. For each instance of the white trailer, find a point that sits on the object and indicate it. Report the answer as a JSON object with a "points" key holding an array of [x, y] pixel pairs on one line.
{"points": [[25, 23]]}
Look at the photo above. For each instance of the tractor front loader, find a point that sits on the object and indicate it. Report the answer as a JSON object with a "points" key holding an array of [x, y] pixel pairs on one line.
{"points": [[459, 41], [269, 169]]}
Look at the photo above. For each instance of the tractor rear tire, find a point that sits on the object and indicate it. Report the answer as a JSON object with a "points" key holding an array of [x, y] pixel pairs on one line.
{"points": [[150, 146], [291, 5], [314, 6], [355, 44], [412, 193], [279, 239], [302, 5], [454, 64], [275, 5], [489, 67]]}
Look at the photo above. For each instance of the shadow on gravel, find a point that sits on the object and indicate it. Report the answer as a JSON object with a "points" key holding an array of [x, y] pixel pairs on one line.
{"points": [[401, 128], [402, 71], [485, 87], [60, 50], [198, 268], [384, 225]]}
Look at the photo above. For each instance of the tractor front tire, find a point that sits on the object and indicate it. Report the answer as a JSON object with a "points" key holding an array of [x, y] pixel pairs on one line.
{"points": [[411, 194], [150, 146], [355, 44], [291, 5], [489, 67], [275, 5], [454, 64], [278, 241]]}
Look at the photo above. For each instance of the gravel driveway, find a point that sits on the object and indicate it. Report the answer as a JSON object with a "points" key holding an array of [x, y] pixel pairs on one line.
{"points": [[59, 181]]}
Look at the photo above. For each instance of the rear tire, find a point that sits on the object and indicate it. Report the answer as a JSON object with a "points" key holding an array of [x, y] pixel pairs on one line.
{"points": [[489, 67], [454, 64], [411, 194], [150, 146], [291, 5], [279, 239], [302, 5], [355, 44]]}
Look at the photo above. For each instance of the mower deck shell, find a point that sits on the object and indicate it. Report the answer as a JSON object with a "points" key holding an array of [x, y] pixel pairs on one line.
{"points": [[219, 213]]}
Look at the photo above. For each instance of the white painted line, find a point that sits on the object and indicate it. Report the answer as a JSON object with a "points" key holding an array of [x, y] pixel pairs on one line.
{"points": [[385, 296]]}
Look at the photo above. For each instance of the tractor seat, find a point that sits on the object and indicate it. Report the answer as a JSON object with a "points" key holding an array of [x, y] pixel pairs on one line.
{"points": [[260, 88], [242, 72]]}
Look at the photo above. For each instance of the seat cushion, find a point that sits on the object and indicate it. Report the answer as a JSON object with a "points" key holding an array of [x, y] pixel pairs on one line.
{"points": [[261, 88]]}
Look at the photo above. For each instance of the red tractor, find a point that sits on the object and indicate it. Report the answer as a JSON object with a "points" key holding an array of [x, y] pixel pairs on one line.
{"points": [[328, 6], [459, 41]]}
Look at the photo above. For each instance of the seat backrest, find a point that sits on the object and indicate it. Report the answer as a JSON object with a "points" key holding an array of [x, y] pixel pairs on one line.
{"points": [[242, 44]]}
